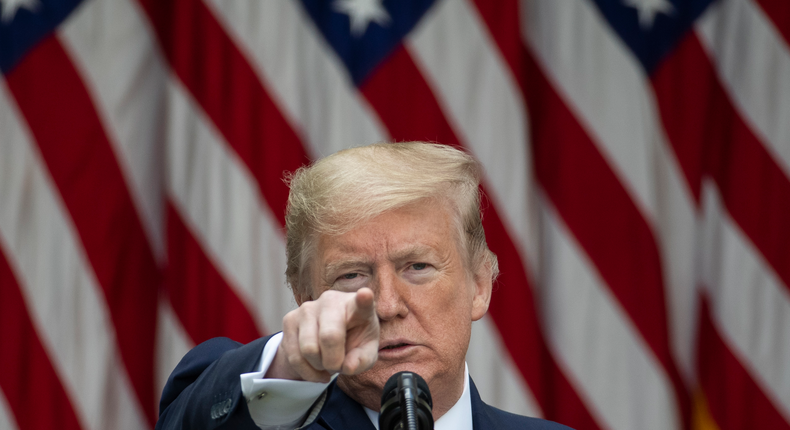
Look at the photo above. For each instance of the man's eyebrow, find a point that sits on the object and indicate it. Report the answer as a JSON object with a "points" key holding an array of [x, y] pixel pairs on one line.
{"points": [[339, 266], [407, 253]]}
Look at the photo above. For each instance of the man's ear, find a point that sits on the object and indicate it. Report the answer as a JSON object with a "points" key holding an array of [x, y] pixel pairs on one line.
{"points": [[483, 286]]}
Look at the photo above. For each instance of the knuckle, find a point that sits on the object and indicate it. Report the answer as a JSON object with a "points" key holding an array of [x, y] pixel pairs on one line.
{"points": [[307, 372], [288, 346], [296, 360], [307, 307], [291, 319], [292, 353], [332, 336], [310, 349]]}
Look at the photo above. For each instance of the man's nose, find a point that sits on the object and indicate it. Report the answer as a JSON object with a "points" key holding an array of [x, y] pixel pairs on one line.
{"points": [[391, 296]]}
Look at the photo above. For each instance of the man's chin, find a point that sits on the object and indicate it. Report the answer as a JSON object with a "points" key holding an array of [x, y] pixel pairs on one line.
{"points": [[366, 388]]}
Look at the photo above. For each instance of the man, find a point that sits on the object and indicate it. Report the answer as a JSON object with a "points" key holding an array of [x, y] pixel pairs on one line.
{"points": [[388, 262]]}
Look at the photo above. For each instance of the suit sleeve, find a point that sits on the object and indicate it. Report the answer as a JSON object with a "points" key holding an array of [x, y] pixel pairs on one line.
{"points": [[204, 390], [278, 404]]}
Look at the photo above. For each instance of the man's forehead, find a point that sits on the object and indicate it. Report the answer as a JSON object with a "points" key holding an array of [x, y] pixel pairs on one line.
{"points": [[418, 230]]}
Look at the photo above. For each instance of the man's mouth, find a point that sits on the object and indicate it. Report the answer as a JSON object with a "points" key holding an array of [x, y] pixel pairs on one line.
{"points": [[397, 345]]}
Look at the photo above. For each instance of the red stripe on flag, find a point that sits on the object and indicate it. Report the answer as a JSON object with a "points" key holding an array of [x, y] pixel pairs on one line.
{"points": [[515, 314], [224, 84], [502, 19], [74, 145], [28, 378], [734, 399], [200, 296], [603, 218], [590, 198], [405, 103], [778, 11], [408, 108], [709, 137]]}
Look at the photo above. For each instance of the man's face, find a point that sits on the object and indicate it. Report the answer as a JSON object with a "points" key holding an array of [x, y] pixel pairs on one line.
{"points": [[426, 299]]}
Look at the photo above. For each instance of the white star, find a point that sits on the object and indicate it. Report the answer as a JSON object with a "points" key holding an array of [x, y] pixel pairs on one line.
{"points": [[648, 9], [361, 13], [11, 6]]}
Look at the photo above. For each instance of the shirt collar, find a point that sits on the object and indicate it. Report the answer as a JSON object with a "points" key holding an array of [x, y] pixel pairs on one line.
{"points": [[459, 417]]}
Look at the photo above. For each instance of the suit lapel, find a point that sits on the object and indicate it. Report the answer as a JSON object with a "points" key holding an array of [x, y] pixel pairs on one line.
{"points": [[340, 412], [481, 418]]}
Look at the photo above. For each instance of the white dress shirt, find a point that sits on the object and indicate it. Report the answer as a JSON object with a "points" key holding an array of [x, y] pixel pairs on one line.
{"points": [[280, 404]]}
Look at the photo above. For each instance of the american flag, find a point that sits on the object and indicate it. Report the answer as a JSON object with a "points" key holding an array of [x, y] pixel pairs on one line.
{"points": [[637, 157]]}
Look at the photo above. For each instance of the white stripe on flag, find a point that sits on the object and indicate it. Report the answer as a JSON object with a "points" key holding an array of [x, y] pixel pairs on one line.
{"points": [[222, 205], [482, 102], [589, 64], [63, 295], [609, 362], [112, 48], [606, 88], [748, 302], [753, 64], [305, 78], [7, 421]]}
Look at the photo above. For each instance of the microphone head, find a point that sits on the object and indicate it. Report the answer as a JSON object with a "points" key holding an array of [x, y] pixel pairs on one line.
{"points": [[405, 398], [392, 384]]}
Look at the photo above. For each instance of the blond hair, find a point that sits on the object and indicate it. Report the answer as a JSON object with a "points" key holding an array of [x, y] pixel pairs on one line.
{"points": [[345, 189]]}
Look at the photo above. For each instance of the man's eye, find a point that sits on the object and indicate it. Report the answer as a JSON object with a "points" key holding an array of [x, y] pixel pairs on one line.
{"points": [[349, 275], [419, 266]]}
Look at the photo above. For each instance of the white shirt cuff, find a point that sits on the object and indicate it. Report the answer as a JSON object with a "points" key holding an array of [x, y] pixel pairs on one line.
{"points": [[277, 403]]}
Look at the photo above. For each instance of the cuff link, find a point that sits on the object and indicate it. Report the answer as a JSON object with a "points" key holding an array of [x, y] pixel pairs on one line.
{"points": [[219, 410]]}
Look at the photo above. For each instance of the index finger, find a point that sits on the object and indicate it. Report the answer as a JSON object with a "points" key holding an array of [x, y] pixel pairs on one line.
{"points": [[362, 307]]}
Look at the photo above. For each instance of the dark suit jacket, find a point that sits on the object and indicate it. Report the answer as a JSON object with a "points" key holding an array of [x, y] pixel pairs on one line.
{"points": [[204, 392]]}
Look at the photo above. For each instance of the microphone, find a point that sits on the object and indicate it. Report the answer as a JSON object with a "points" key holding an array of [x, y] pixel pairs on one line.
{"points": [[406, 403]]}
